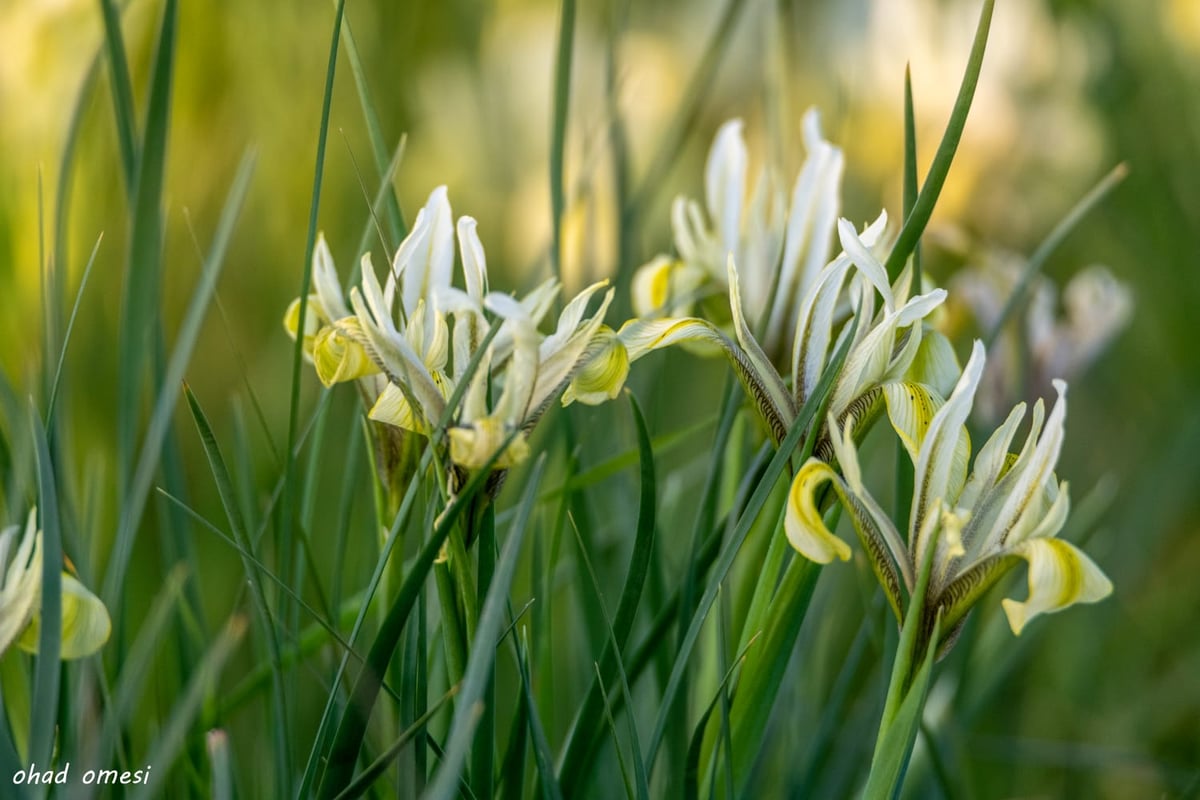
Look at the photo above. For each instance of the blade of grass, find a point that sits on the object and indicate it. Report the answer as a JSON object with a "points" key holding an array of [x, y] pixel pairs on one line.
{"points": [[651, 643], [306, 284], [142, 276], [284, 541], [62, 353], [220, 472], [691, 773], [250, 561], [904, 462], [131, 681], [905, 700], [160, 421], [379, 150], [812, 410], [42, 723], [479, 665], [174, 735], [912, 189], [626, 782], [922, 210], [1051, 243], [324, 728], [558, 129], [352, 728], [541, 747], [894, 749], [639, 767], [372, 773], [588, 722], [122, 92], [483, 752], [762, 678]]}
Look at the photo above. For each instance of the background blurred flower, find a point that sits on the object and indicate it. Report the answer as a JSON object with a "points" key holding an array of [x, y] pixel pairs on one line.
{"points": [[1044, 343], [85, 622]]}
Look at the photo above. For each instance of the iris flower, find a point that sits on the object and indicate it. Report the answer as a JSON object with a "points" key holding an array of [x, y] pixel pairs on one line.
{"points": [[1008, 510], [417, 335], [892, 345], [85, 621], [779, 246]]}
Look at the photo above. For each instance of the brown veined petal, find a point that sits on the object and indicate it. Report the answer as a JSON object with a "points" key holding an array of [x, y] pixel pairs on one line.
{"points": [[911, 408], [806, 531]]}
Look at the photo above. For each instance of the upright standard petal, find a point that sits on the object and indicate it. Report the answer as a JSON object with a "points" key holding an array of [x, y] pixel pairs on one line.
{"points": [[808, 236], [941, 468], [725, 184]]}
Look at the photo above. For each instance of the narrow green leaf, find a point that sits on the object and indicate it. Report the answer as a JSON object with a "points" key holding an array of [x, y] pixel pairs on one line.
{"points": [[915, 222], [479, 665], [143, 275], [512, 767], [270, 634], [912, 189], [325, 728], [260, 569], [122, 92], [588, 722], [813, 409], [43, 722], [558, 130], [1042, 254], [171, 740], [138, 661], [62, 353], [763, 676], [380, 765], [164, 406], [894, 749], [639, 768], [395, 216], [352, 728], [691, 774], [626, 782], [541, 747], [284, 533], [483, 751]]}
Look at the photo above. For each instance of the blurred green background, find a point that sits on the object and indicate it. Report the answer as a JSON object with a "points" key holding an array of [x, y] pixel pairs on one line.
{"points": [[1106, 700]]}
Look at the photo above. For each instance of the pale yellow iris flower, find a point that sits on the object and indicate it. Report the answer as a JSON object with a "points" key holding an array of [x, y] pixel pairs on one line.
{"points": [[779, 244], [1009, 509], [891, 345], [85, 622], [417, 334]]}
